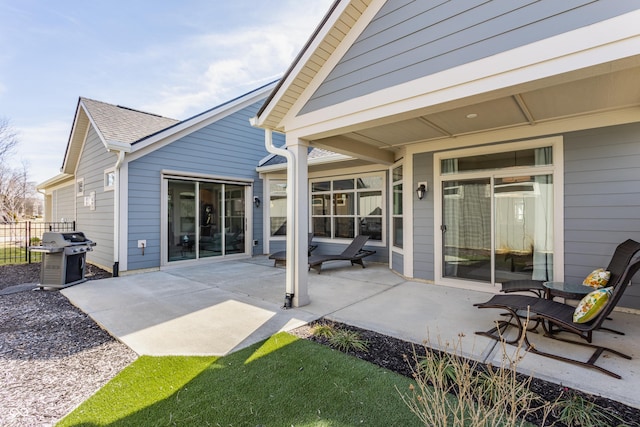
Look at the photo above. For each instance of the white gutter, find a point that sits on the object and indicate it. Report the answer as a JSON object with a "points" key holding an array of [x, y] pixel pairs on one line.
{"points": [[291, 241], [116, 215]]}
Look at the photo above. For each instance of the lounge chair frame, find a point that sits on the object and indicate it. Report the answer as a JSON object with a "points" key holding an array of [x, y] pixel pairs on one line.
{"points": [[353, 253], [280, 258], [556, 317]]}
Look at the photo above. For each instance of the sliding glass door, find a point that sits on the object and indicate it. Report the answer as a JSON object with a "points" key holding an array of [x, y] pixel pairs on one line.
{"points": [[498, 216], [466, 211], [205, 219]]}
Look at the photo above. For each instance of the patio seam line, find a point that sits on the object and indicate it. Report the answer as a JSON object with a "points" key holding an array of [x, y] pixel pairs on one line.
{"points": [[364, 299]]}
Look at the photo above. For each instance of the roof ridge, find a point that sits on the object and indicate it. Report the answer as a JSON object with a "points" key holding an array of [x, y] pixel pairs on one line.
{"points": [[84, 98]]}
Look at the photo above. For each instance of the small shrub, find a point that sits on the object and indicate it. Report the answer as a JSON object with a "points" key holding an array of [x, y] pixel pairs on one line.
{"points": [[324, 330], [345, 340], [574, 410], [451, 390]]}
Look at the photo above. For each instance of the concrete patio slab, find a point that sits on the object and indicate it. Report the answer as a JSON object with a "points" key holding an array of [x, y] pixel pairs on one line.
{"points": [[220, 307]]}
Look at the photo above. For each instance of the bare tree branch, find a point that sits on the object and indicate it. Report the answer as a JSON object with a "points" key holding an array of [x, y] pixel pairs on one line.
{"points": [[8, 140]]}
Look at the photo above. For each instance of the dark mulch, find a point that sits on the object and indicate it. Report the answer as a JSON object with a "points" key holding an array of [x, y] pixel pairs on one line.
{"points": [[392, 353]]}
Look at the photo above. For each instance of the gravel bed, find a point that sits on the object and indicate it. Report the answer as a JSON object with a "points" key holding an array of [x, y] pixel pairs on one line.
{"points": [[52, 355]]}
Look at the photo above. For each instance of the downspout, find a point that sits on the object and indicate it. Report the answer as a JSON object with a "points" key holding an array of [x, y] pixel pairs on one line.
{"points": [[116, 215], [291, 241]]}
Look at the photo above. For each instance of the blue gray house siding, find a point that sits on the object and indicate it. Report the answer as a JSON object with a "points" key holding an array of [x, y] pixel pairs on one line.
{"points": [[63, 204], [601, 202], [96, 224], [602, 199], [411, 39], [423, 248], [230, 147]]}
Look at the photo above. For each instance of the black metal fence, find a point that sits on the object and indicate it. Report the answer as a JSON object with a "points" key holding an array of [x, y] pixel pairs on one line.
{"points": [[16, 237]]}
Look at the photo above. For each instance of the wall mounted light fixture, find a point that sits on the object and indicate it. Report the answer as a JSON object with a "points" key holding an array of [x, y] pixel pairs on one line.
{"points": [[421, 190], [256, 202]]}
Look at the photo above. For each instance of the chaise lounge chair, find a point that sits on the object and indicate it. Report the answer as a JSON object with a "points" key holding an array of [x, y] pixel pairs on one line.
{"points": [[353, 253], [557, 317], [281, 257]]}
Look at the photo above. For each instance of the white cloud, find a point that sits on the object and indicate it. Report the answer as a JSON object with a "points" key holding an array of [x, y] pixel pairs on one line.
{"points": [[216, 67], [42, 147]]}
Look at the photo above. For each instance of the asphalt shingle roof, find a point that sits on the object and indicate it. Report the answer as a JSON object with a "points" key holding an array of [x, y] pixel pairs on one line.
{"points": [[313, 153], [122, 124]]}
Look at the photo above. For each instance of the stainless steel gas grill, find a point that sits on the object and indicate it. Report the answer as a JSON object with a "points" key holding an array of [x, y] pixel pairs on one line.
{"points": [[64, 256]]}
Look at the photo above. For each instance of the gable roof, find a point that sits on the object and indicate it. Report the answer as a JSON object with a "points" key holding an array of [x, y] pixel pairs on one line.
{"points": [[117, 127], [123, 124], [127, 129]]}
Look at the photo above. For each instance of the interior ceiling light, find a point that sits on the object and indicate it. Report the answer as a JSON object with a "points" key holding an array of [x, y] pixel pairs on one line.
{"points": [[472, 116]]}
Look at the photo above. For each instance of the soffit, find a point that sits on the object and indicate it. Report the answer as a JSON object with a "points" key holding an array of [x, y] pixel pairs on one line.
{"points": [[580, 93]]}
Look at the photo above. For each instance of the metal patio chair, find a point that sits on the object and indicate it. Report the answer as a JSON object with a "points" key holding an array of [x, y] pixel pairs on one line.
{"points": [[556, 317]]}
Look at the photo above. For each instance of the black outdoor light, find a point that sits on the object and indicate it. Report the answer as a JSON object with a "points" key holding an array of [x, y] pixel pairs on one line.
{"points": [[256, 202], [421, 190]]}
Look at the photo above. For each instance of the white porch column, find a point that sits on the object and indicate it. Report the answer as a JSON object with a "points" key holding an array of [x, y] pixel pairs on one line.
{"points": [[298, 271]]}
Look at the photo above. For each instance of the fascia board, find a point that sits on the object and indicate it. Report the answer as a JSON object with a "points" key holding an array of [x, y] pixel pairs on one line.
{"points": [[333, 60], [290, 77]]}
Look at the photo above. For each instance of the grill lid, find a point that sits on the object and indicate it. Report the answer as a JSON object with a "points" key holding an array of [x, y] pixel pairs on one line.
{"points": [[62, 239]]}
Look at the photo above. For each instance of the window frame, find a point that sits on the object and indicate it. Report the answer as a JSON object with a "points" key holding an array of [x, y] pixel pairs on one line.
{"points": [[392, 214], [356, 215], [79, 187], [269, 183], [107, 173]]}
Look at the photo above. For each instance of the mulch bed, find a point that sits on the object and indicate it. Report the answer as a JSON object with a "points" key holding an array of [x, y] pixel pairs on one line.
{"points": [[392, 353], [53, 356]]}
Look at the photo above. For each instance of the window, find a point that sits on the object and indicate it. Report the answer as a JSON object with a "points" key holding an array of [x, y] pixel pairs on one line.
{"points": [[109, 179], [278, 208], [396, 214], [346, 207], [80, 187]]}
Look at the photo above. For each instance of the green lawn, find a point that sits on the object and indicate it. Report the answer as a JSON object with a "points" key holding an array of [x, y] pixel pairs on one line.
{"points": [[284, 381]]}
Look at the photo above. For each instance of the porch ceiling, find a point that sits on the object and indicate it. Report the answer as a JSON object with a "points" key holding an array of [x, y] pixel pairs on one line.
{"points": [[605, 88]]}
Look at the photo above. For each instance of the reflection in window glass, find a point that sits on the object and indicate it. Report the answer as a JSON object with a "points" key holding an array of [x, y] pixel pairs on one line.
{"points": [[397, 221], [370, 182], [343, 228], [344, 203], [278, 208], [343, 184], [337, 206], [321, 186], [322, 226]]}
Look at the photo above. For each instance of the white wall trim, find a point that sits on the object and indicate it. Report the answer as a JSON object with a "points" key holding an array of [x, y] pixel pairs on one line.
{"points": [[557, 169]]}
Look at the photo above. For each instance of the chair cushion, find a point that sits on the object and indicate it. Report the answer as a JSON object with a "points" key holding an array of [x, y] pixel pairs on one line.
{"points": [[591, 305], [598, 278]]}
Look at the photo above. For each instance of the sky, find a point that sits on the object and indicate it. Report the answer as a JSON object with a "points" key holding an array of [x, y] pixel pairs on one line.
{"points": [[168, 57]]}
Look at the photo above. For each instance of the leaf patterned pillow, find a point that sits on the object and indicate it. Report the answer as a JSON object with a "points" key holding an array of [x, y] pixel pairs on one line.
{"points": [[591, 305], [598, 278]]}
